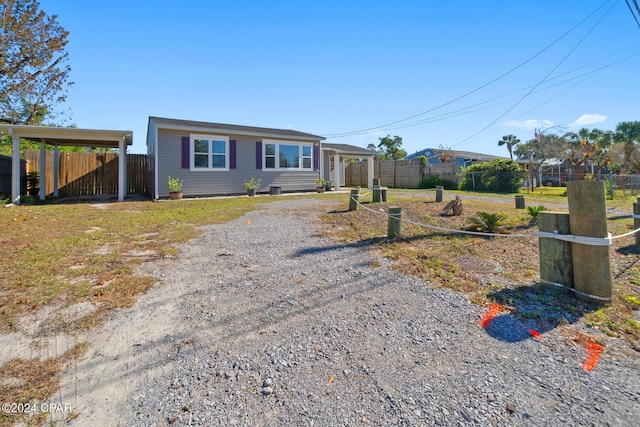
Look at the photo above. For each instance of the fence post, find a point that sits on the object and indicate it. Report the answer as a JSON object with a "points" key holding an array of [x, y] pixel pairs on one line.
{"points": [[353, 199], [439, 193], [591, 264], [394, 227], [520, 203], [636, 220], [555, 255]]}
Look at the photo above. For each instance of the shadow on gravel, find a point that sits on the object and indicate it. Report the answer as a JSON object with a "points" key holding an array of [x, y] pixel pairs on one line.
{"points": [[538, 308]]}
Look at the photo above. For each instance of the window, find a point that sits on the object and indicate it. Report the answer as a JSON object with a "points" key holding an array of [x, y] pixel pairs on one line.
{"points": [[283, 155], [209, 152]]}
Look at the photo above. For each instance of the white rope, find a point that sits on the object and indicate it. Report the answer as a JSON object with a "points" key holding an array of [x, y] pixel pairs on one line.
{"points": [[635, 216], [584, 294], [627, 234], [583, 240], [449, 230]]}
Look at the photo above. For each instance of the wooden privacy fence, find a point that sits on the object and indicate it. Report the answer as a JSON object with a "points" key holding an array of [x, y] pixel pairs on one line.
{"points": [[6, 173], [81, 174], [398, 173]]}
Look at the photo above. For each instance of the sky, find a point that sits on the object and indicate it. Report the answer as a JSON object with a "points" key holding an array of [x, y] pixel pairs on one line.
{"points": [[458, 74]]}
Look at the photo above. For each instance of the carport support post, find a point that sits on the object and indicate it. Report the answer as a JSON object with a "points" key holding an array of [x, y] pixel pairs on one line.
{"points": [[15, 170], [394, 227], [591, 264], [636, 220], [353, 199], [555, 255], [56, 165], [43, 166], [122, 172]]}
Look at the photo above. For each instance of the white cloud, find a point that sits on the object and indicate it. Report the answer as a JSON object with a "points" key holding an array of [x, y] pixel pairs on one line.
{"points": [[588, 119], [529, 124]]}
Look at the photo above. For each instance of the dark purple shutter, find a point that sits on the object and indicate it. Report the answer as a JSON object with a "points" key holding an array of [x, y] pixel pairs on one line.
{"points": [[232, 154], [316, 157], [258, 154], [185, 152]]}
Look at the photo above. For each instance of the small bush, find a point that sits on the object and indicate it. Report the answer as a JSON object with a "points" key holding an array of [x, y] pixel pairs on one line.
{"points": [[534, 210], [487, 222], [432, 181]]}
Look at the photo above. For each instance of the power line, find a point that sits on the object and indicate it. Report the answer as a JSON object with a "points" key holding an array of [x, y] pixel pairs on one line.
{"points": [[483, 105], [631, 10], [361, 131], [541, 81]]}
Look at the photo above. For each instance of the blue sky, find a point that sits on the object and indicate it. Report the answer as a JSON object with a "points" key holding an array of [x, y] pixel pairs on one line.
{"points": [[337, 67]]}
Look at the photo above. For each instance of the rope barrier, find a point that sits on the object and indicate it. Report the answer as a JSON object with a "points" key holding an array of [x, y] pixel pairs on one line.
{"points": [[584, 240]]}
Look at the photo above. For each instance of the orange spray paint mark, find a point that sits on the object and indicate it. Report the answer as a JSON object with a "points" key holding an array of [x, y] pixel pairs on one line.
{"points": [[594, 350], [494, 310], [535, 334], [330, 378]]}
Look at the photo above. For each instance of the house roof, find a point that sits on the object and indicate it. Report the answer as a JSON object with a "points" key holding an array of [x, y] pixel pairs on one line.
{"points": [[70, 136], [348, 150], [193, 125], [467, 155]]}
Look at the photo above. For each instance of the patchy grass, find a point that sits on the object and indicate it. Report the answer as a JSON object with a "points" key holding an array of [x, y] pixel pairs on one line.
{"points": [[68, 253], [32, 382], [58, 255], [496, 269]]}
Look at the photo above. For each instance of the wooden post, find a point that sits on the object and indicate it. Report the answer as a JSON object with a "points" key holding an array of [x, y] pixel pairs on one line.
{"points": [[383, 193], [376, 182], [353, 199], [591, 264], [520, 203], [636, 220], [394, 227], [555, 255], [439, 193]]}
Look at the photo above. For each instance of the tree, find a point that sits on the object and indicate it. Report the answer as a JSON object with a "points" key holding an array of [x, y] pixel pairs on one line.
{"points": [[585, 147], [510, 141], [33, 74], [628, 134], [389, 148]]}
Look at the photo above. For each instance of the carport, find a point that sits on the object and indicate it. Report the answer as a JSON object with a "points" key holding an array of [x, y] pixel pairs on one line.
{"points": [[58, 136], [340, 152]]}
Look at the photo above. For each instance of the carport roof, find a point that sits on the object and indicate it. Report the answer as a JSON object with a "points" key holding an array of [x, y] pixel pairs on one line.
{"points": [[348, 150], [70, 136]]}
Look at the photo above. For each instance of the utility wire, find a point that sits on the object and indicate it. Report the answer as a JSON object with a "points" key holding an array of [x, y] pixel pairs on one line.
{"points": [[631, 10], [356, 132], [541, 81]]}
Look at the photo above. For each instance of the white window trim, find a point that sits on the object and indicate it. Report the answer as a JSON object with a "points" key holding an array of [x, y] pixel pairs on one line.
{"points": [[227, 154], [277, 155]]}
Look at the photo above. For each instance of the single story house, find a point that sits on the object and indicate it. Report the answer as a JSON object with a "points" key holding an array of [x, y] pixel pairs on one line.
{"points": [[461, 158], [216, 159]]}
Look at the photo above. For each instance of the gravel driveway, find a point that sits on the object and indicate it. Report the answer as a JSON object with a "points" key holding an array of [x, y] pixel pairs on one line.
{"points": [[263, 322]]}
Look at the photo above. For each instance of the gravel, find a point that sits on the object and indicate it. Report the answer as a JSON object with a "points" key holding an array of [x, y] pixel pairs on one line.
{"points": [[280, 326]]}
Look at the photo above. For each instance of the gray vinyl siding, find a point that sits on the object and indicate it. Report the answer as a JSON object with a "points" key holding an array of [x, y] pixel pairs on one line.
{"points": [[210, 183], [151, 154]]}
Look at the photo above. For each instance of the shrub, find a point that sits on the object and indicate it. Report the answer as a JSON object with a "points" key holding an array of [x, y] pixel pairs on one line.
{"points": [[534, 210], [432, 181], [501, 176], [487, 222]]}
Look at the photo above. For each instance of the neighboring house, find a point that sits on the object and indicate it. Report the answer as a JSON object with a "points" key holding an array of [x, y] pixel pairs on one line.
{"points": [[216, 159], [461, 158]]}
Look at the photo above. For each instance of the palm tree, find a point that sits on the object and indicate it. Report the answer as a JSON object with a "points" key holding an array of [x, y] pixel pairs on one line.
{"points": [[628, 133], [510, 141]]}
